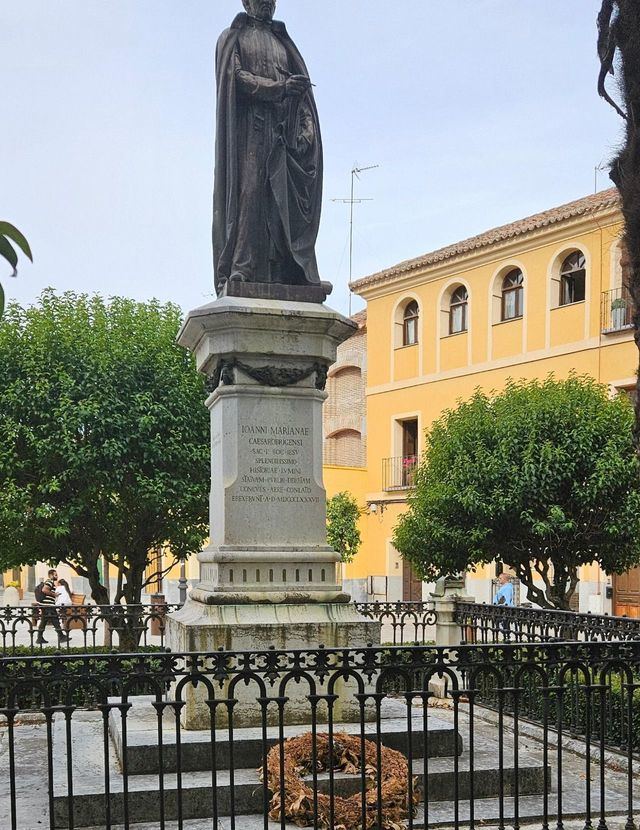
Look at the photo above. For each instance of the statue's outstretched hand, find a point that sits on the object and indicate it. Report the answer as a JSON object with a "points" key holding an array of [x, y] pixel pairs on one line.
{"points": [[297, 85]]}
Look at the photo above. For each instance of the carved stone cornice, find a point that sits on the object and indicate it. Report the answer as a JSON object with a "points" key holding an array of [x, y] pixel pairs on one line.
{"points": [[274, 376]]}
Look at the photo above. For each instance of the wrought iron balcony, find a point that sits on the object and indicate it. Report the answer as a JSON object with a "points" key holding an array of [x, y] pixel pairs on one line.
{"points": [[616, 310], [399, 473]]}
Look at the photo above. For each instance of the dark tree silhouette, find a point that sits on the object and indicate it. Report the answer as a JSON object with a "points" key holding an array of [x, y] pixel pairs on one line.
{"points": [[619, 51]]}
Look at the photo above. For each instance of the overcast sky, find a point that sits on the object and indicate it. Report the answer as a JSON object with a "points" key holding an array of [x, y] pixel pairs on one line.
{"points": [[478, 112]]}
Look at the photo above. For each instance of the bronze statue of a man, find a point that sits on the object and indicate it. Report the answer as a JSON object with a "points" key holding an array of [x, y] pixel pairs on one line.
{"points": [[268, 177]]}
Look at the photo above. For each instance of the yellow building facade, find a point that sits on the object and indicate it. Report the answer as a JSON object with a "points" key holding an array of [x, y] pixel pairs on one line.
{"points": [[540, 295], [544, 294]]}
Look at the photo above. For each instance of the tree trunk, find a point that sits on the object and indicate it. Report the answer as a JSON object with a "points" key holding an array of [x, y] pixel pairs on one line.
{"points": [[119, 591], [99, 592], [89, 570], [560, 583], [619, 26], [134, 623], [565, 582]]}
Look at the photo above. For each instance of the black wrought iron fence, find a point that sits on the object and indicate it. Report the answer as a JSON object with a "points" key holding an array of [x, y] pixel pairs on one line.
{"points": [[481, 623], [321, 738], [567, 696], [408, 622], [131, 626], [40, 628]]}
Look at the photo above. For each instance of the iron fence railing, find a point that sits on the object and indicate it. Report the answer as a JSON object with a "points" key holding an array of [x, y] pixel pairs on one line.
{"points": [[39, 627], [409, 622], [101, 740], [616, 310], [399, 473], [130, 626], [481, 623]]}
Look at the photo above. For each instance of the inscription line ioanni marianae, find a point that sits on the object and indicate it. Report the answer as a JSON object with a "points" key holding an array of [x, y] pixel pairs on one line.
{"points": [[275, 465]]}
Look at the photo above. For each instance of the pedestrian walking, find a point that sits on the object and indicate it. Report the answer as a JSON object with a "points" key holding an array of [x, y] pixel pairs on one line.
{"points": [[63, 594], [48, 610]]}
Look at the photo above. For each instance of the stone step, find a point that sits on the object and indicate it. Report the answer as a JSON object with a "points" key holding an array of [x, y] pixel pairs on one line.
{"points": [[194, 793], [143, 756], [487, 816]]}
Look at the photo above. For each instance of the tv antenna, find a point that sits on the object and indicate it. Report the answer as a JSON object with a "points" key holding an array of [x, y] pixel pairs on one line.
{"points": [[599, 168], [351, 201]]}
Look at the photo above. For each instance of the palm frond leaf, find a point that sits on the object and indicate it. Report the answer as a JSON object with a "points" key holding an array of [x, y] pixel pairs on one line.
{"points": [[11, 232], [8, 252]]}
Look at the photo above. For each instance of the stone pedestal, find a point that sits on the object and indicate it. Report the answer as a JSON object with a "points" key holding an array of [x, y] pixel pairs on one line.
{"points": [[268, 576], [449, 592], [257, 628], [268, 536]]}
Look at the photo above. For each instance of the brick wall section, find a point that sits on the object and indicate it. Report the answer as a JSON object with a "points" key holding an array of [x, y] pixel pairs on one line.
{"points": [[344, 410]]}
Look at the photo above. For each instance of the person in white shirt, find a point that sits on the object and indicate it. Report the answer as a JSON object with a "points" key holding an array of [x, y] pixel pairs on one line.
{"points": [[63, 594]]}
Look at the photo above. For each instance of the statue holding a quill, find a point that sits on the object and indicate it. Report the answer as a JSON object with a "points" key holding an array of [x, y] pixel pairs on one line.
{"points": [[268, 177]]}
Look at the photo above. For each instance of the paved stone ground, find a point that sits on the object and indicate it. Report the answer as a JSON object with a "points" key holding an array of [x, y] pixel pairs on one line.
{"points": [[254, 823], [33, 809], [30, 778], [574, 777]]}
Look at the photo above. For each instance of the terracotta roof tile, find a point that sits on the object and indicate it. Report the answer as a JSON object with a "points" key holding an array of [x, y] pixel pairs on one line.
{"points": [[360, 317], [581, 207]]}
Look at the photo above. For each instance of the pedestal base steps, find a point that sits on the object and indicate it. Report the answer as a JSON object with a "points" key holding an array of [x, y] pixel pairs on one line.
{"points": [[262, 627], [196, 787]]}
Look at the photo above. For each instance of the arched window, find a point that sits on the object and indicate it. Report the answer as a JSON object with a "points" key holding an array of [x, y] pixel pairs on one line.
{"points": [[344, 449], [512, 295], [344, 385], [572, 279], [410, 324], [458, 310]]}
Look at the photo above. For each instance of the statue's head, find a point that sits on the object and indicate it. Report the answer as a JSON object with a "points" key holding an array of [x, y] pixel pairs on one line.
{"points": [[260, 9]]}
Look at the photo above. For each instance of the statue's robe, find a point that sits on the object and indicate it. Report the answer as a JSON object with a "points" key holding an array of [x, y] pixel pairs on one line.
{"points": [[268, 176]]}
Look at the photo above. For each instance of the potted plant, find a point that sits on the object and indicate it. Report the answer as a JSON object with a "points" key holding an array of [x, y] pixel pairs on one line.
{"points": [[409, 465], [618, 313]]}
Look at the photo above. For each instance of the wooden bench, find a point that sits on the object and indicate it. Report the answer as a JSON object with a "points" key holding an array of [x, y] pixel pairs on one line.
{"points": [[78, 618]]}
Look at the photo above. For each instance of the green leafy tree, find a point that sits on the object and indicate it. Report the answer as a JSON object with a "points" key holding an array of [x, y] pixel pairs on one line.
{"points": [[542, 477], [104, 447], [343, 533], [9, 234]]}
